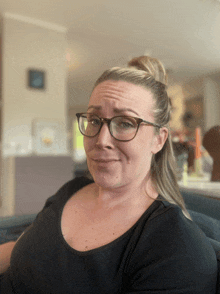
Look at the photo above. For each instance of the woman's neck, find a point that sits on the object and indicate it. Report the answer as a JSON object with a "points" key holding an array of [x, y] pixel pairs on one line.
{"points": [[125, 196]]}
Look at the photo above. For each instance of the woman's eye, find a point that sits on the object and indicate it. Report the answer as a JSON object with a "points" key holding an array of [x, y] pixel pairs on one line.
{"points": [[126, 125], [94, 121]]}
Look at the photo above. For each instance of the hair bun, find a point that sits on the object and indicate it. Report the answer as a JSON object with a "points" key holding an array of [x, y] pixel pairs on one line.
{"points": [[152, 66]]}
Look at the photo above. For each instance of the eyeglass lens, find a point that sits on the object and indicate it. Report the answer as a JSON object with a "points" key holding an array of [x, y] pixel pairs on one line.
{"points": [[121, 127]]}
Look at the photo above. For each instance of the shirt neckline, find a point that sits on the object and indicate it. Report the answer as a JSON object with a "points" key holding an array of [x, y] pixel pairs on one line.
{"points": [[147, 212]]}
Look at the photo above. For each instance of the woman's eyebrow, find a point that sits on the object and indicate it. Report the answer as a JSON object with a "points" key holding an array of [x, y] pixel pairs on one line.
{"points": [[116, 110], [94, 107]]}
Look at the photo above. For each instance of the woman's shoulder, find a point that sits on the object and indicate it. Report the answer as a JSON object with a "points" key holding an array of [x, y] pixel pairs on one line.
{"points": [[172, 248], [74, 185], [169, 221], [68, 189], [169, 231], [58, 200]]}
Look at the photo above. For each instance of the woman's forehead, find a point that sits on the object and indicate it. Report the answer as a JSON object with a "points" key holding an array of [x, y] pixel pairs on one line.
{"points": [[121, 94]]}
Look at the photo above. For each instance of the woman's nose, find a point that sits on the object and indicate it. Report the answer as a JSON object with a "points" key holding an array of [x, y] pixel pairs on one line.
{"points": [[104, 138]]}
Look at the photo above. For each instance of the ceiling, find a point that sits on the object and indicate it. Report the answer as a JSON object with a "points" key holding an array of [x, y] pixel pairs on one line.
{"points": [[183, 34]]}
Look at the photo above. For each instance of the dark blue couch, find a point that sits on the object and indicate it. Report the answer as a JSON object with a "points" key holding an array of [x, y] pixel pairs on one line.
{"points": [[205, 205], [12, 227]]}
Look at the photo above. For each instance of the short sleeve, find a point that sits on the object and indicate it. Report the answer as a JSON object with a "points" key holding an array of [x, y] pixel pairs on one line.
{"points": [[172, 256]]}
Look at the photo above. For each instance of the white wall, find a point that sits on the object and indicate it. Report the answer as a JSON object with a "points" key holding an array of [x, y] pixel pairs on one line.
{"points": [[29, 45]]}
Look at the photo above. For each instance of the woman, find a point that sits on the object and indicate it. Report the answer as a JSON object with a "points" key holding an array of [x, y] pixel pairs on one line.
{"points": [[116, 233]]}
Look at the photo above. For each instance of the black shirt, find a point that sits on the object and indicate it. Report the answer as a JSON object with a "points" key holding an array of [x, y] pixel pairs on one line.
{"points": [[164, 252]]}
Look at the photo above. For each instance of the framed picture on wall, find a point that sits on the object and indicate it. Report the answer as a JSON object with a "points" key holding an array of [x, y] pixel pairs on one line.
{"points": [[49, 137], [36, 79]]}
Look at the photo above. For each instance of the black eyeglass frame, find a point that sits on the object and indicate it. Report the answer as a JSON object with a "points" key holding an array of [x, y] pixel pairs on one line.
{"points": [[108, 121]]}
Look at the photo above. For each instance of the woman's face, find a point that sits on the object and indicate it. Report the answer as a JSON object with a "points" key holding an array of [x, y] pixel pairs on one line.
{"points": [[112, 163]]}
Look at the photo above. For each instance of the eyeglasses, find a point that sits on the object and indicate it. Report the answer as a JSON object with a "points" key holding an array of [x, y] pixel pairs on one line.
{"points": [[122, 128]]}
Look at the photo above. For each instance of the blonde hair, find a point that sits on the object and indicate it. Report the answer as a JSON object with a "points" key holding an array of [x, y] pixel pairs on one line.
{"points": [[150, 73]]}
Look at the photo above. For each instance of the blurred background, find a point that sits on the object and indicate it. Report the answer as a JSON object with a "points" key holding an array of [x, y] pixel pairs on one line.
{"points": [[51, 53]]}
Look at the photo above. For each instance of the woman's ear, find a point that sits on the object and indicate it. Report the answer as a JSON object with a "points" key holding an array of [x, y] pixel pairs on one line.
{"points": [[160, 140]]}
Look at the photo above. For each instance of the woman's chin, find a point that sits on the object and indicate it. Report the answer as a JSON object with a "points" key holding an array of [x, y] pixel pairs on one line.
{"points": [[106, 180]]}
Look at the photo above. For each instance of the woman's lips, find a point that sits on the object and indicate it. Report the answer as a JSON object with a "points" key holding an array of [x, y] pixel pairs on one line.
{"points": [[104, 161]]}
